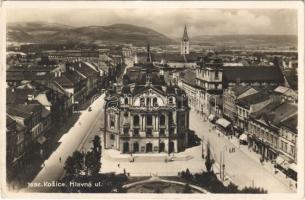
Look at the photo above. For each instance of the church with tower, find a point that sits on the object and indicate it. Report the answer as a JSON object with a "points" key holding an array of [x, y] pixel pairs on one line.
{"points": [[185, 43]]}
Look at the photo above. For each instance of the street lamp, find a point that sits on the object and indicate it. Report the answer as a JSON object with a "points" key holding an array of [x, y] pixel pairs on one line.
{"points": [[222, 163]]}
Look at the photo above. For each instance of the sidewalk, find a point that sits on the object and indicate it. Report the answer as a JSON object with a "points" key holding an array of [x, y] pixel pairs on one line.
{"points": [[267, 164], [240, 167]]}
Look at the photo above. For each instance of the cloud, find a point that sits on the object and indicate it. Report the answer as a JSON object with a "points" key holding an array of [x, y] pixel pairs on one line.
{"points": [[171, 21]]}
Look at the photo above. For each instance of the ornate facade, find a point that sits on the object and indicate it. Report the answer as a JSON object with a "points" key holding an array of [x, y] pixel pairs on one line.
{"points": [[146, 115]]}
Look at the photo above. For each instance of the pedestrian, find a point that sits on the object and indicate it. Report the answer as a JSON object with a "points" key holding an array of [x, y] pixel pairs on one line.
{"points": [[60, 159], [118, 165], [79, 123]]}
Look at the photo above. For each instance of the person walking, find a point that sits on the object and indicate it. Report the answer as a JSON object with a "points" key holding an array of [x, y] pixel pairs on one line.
{"points": [[60, 159]]}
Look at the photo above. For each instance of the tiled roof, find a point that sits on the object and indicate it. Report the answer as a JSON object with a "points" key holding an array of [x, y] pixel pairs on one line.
{"points": [[291, 123], [86, 70], [20, 76], [9, 120], [13, 111], [280, 113], [252, 74], [189, 77], [45, 112], [253, 99], [239, 89], [34, 68], [19, 96], [63, 81], [73, 76]]}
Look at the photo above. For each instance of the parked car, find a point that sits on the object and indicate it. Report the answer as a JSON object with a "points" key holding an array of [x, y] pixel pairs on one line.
{"points": [[90, 109]]}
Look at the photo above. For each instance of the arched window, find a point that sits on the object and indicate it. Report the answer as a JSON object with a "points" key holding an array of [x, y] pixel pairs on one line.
{"points": [[162, 120], [155, 102], [136, 120], [126, 101], [148, 101], [142, 101]]}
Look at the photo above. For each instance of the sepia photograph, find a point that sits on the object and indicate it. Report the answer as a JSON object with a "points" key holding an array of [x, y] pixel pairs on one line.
{"points": [[153, 98]]}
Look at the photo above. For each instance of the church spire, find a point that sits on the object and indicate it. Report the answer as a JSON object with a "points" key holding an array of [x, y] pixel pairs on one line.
{"points": [[185, 36], [185, 46]]}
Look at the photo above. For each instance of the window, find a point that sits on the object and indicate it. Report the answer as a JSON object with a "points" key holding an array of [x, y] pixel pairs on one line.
{"points": [[126, 101], [149, 132], [149, 120], [148, 101], [126, 131], [142, 101], [112, 136], [112, 121], [292, 150], [136, 120], [216, 75], [155, 102], [162, 120], [170, 100], [162, 132], [136, 132]]}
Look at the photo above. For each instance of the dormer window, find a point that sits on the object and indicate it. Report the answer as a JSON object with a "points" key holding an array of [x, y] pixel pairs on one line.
{"points": [[142, 101], [148, 101], [170, 100], [126, 101], [155, 102]]}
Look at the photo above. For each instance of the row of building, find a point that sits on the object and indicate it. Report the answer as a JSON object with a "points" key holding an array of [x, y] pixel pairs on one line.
{"points": [[42, 96]]}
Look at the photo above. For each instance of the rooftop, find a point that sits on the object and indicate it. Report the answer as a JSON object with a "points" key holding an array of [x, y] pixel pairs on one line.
{"points": [[291, 123], [252, 74]]}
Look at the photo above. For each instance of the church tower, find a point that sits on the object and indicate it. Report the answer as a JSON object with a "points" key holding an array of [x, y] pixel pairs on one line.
{"points": [[185, 44]]}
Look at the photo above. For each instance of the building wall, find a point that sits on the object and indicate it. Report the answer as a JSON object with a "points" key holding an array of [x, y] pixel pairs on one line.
{"points": [[138, 119], [288, 143]]}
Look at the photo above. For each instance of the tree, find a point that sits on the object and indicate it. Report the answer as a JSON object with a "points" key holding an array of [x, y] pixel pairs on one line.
{"points": [[208, 162], [69, 166], [78, 159], [97, 148], [187, 189], [92, 163]]}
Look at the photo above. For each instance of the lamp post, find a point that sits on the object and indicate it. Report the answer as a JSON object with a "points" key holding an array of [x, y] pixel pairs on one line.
{"points": [[222, 163]]}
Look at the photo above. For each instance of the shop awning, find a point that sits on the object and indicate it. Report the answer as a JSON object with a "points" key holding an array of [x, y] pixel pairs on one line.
{"points": [[223, 122], [41, 139], [293, 167], [282, 162], [243, 137], [211, 117], [279, 160]]}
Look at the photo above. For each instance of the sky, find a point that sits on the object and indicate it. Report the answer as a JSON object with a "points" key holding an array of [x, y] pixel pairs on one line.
{"points": [[171, 21]]}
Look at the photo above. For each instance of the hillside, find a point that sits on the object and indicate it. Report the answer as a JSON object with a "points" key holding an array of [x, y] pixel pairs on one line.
{"points": [[61, 34]]}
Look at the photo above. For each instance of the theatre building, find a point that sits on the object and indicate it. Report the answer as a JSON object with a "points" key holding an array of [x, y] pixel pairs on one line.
{"points": [[145, 115]]}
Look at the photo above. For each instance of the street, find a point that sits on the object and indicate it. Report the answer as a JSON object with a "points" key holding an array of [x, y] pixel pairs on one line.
{"points": [[239, 167], [78, 136], [243, 170]]}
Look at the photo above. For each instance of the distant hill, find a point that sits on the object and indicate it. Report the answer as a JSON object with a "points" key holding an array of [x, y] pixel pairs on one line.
{"points": [[61, 34], [276, 40]]}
